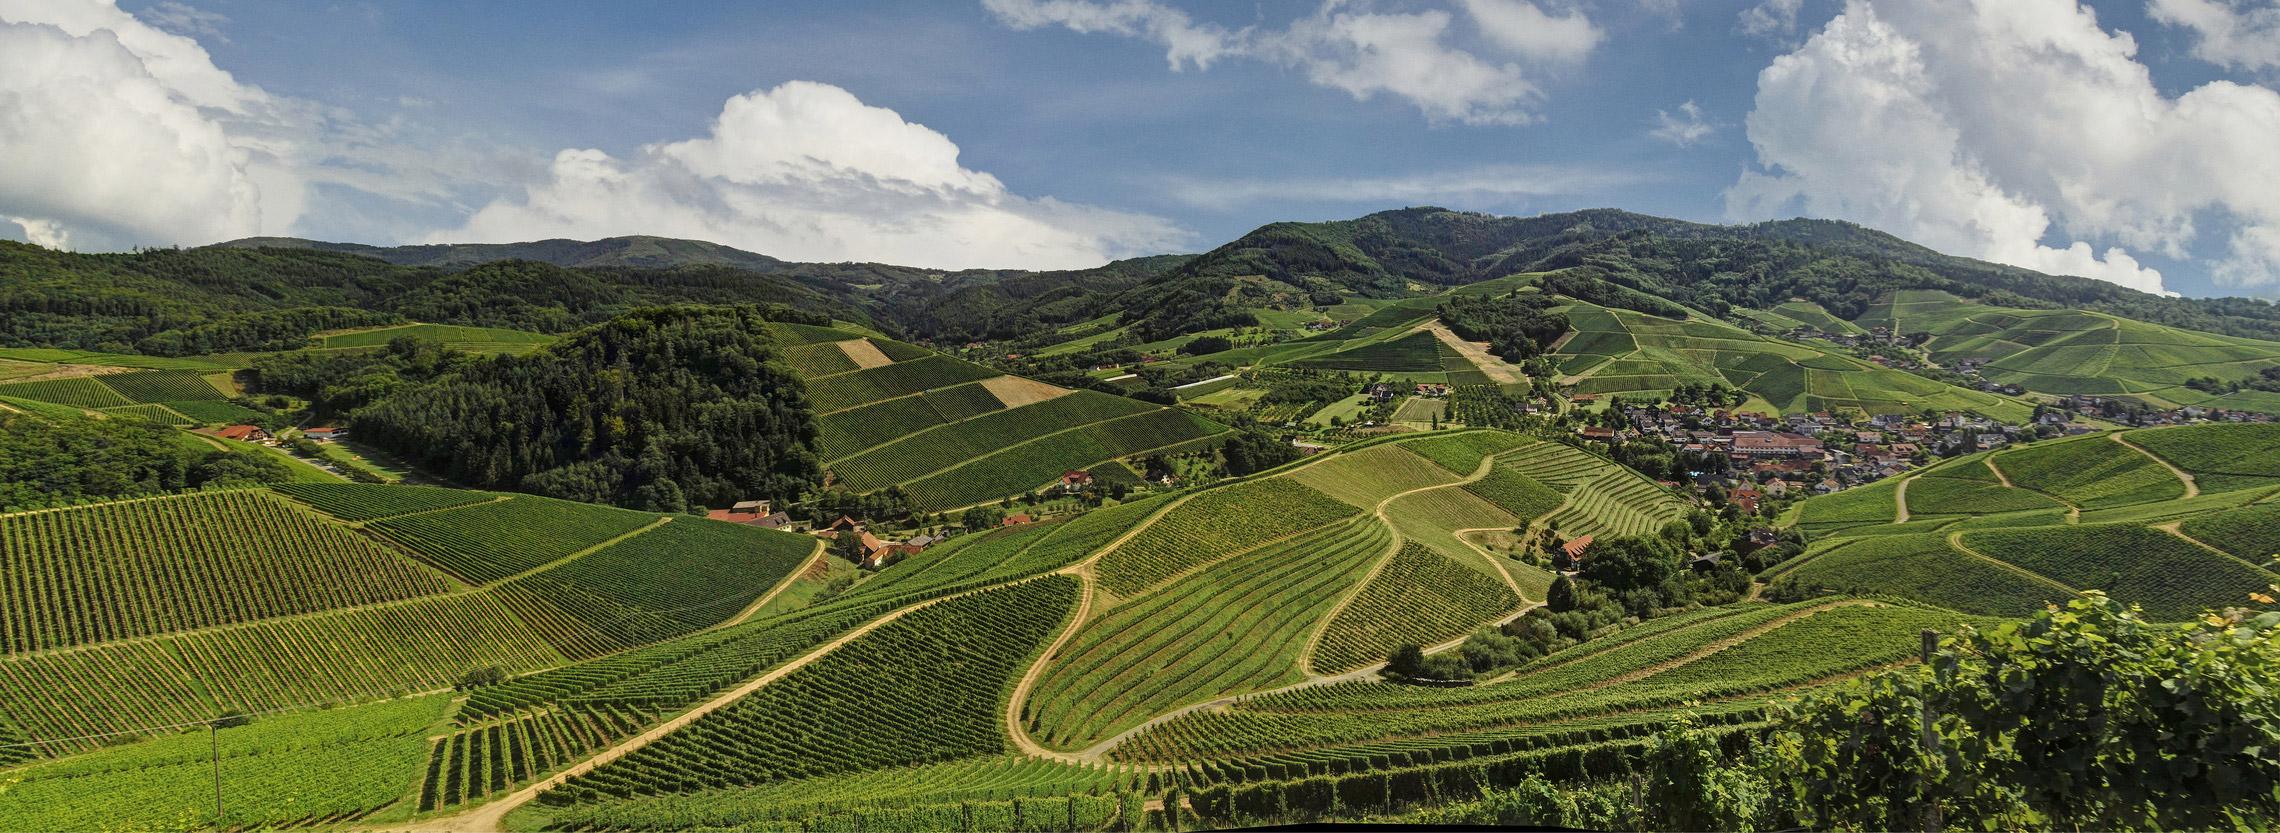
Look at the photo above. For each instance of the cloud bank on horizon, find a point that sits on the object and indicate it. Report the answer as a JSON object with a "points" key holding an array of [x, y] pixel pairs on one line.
{"points": [[2026, 132]]}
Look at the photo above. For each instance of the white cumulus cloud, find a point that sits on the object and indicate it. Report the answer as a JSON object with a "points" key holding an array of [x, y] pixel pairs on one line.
{"points": [[114, 133], [1356, 47], [805, 171], [1684, 129], [2242, 34], [1772, 18], [1529, 31], [2017, 131]]}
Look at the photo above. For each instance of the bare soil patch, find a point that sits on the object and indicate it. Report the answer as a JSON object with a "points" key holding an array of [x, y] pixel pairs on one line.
{"points": [[1015, 391], [865, 354]]}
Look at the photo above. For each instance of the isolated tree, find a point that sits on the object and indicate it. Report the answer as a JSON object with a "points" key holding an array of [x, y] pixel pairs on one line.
{"points": [[1561, 598], [982, 517], [1630, 563], [1406, 661]]}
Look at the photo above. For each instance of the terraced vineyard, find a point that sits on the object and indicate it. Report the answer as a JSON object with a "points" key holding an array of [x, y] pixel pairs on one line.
{"points": [[1626, 353], [364, 502], [1618, 504], [2090, 473], [2081, 513], [291, 770], [2064, 351], [953, 433], [124, 390], [1069, 674], [1000, 793], [75, 700], [78, 392], [139, 568], [1417, 352], [1366, 477], [1236, 626], [1215, 524], [489, 541], [1584, 697], [943, 707], [665, 582], [1420, 598]]}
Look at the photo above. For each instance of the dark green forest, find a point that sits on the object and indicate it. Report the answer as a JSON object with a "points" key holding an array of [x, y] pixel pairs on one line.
{"points": [[56, 461], [1842, 266], [1516, 328], [662, 409]]}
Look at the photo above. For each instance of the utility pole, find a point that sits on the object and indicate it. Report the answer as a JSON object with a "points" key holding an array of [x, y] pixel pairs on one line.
{"points": [[1933, 821]]}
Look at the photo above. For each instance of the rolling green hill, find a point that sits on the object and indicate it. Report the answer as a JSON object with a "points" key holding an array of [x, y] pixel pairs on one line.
{"points": [[1622, 352], [1627, 353], [2081, 352], [2173, 519]]}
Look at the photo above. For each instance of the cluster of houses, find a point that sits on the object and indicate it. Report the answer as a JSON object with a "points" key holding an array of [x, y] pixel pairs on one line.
{"points": [[258, 434], [1817, 453], [2130, 412], [876, 552], [758, 513], [1386, 391]]}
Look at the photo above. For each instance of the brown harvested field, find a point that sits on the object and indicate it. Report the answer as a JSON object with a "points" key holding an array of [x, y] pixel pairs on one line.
{"points": [[864, 353], [1015, 391], [1494, 366]]}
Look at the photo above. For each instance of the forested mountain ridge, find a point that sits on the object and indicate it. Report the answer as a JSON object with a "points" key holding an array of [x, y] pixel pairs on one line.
{"points": [[1842, 266], [951, 304], [125, 302], [639, 251]]}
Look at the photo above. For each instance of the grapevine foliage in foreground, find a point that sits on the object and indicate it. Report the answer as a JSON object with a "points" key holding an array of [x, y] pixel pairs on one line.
{"points": [[2083, 717]]}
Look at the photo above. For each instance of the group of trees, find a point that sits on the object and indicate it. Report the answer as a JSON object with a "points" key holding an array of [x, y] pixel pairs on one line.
{"points": [[1517, 327], [285, 329], [1591, 285], [1250, 449], [664, 409], [2267, 380], [336, 384], [55, 461]]}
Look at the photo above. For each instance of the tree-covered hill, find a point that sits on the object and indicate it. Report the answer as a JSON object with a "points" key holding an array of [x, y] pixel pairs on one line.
{"points": [[1844, 267], [661, 409], [232, 298], [119, 302]]}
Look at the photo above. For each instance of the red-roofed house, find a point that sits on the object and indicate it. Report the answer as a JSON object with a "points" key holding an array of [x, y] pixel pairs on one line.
{"points": [[772, 520], [246, 433], [324, 432], [1575, 548], [1746, 499], [1017, 520]]}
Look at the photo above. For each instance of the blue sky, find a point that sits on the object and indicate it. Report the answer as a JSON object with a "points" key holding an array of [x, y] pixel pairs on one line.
{"points": [[2131, 141]]}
